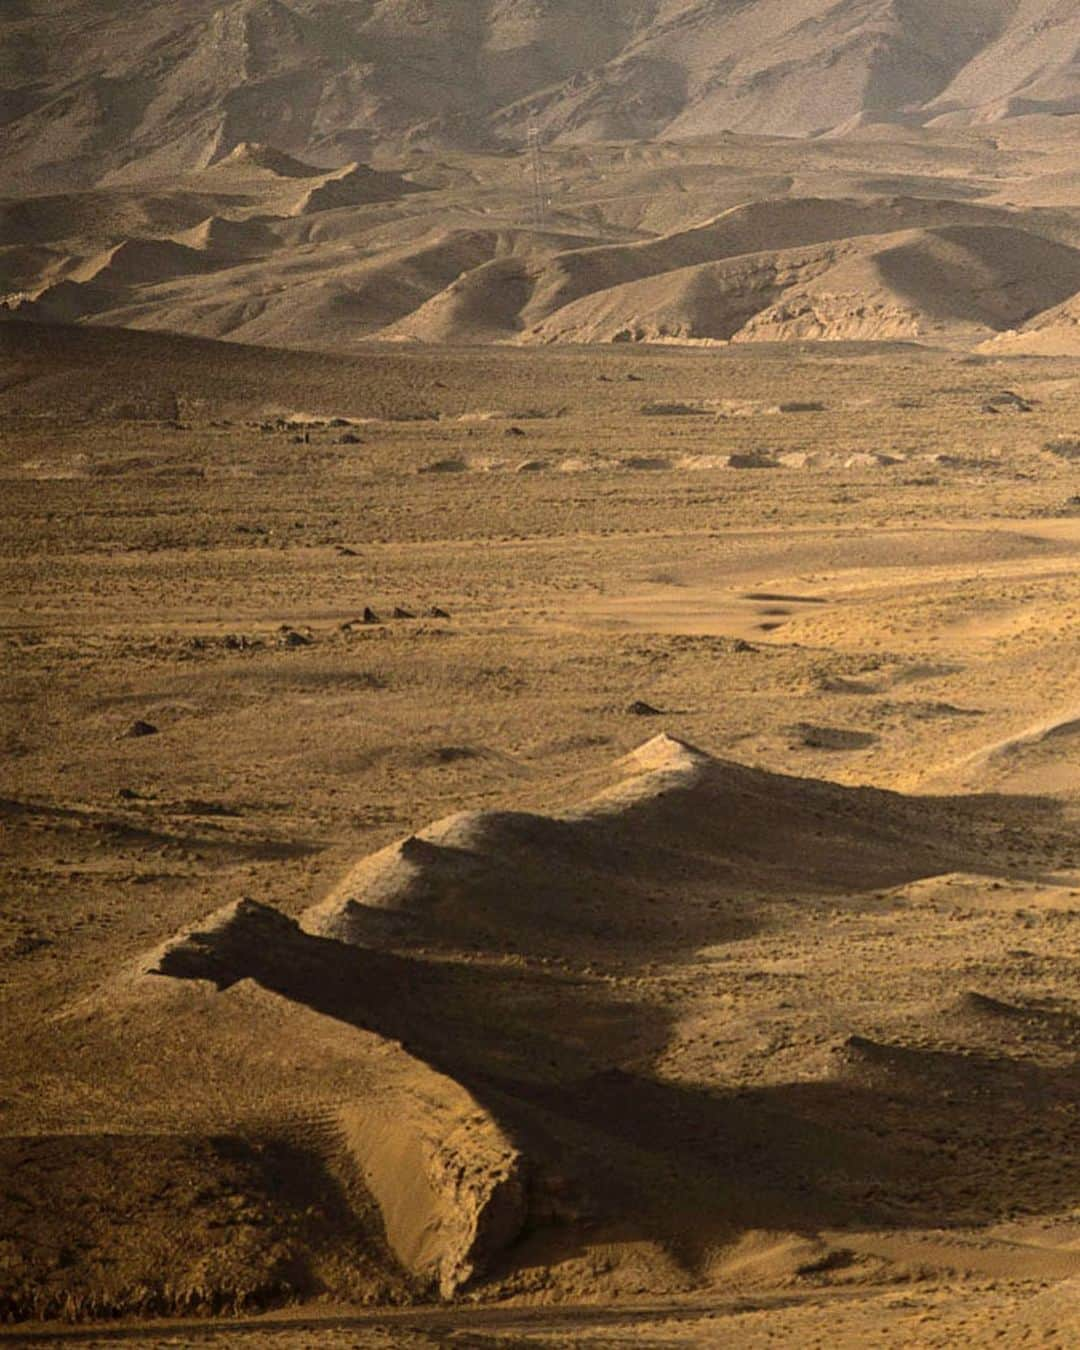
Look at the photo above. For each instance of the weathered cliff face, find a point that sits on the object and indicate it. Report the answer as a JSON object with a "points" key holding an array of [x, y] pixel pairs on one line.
{"points": [[449, 1184]]}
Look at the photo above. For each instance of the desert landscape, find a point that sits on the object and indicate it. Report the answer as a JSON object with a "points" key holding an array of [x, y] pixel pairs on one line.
{"points": [[541, 704]]}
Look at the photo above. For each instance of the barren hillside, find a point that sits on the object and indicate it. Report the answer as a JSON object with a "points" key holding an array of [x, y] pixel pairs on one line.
{"points": [[92, 90], [942, 237]]}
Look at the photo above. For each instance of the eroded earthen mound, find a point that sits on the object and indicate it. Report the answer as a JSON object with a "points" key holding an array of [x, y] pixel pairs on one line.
{"points": [[644, 861]]}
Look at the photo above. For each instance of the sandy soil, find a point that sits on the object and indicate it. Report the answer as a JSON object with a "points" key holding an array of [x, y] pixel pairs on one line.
{"points": [[659, 927]]}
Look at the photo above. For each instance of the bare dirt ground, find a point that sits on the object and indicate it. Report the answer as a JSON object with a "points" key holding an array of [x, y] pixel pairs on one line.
{"points": [[732, 997]]}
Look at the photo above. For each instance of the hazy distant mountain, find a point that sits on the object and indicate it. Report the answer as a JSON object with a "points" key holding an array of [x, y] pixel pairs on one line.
{"points": [[92, 89]]}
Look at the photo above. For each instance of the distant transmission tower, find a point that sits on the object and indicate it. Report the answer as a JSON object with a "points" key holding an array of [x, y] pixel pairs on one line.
{"points": [[538, 175]]}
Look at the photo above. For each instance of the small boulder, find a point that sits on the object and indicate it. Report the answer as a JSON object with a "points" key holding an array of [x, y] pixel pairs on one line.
{"points": [[641, 709], [141, 728]]}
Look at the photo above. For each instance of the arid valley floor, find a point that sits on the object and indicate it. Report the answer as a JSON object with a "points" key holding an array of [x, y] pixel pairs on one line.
{"points": [[732, 999], [540, 704]]}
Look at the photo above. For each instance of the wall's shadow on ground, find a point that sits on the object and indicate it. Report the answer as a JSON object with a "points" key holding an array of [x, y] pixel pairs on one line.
{"points": [[895, 1137]]}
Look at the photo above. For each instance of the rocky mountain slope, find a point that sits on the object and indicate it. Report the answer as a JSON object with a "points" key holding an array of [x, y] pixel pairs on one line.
{"points": [[90, 90]]}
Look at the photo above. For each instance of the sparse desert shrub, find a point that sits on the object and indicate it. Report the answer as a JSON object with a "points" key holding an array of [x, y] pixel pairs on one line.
{"points": [[1066, 447]]}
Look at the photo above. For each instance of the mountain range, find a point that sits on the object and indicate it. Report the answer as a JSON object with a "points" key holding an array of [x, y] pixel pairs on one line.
{"points": [[328, 173], [96, 92]]}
